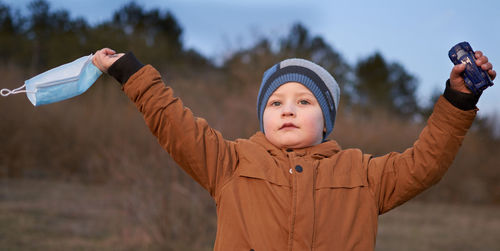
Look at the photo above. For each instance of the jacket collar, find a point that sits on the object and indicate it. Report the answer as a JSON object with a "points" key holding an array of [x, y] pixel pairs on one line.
{"points": [[323, 150]]}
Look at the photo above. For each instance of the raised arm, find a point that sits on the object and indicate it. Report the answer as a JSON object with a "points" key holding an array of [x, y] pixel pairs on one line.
{"points": [[199, 149], [398, 177]]}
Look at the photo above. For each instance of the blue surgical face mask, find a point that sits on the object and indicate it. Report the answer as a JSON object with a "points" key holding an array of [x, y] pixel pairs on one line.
{"points": [[60, 83]]}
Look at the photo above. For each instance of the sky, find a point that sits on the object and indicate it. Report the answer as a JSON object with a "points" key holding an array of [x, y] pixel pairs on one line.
{"points": [[416, 34]]}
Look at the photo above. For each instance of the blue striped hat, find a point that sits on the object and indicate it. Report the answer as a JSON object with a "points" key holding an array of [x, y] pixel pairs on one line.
{"points": [[314, 77]]}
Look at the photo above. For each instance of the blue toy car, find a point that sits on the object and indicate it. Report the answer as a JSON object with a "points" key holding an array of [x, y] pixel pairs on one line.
{"points": [[476, 79]]}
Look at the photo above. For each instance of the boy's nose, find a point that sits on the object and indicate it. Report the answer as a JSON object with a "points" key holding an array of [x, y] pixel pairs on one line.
{"points": [[288, 114], [288, 111]]}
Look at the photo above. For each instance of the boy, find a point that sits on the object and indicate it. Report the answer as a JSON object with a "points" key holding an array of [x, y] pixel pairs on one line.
{"points": [[287, 187]]}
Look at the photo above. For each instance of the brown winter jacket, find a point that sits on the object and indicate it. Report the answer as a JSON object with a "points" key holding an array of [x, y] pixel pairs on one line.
{"points": [[316, 198]]}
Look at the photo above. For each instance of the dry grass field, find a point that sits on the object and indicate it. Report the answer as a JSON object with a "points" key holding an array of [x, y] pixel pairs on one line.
{"points": [[419, 226], [57, 215]]}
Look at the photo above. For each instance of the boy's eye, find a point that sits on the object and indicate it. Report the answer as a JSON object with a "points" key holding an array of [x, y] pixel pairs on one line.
{"points": [[275, 103], [304, 102]]}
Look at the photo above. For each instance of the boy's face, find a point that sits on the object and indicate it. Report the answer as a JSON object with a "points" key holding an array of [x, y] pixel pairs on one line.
{"points": [[293, 118]]}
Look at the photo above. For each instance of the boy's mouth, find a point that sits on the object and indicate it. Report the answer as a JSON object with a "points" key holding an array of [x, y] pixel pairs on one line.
{"points": [[288, 125]]}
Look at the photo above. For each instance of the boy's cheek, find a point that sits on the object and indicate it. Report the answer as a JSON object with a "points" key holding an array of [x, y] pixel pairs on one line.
{"points": [[269, 120]]}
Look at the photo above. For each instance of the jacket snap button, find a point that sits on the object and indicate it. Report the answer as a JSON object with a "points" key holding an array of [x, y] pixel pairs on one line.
{"points": [[298, 168]]}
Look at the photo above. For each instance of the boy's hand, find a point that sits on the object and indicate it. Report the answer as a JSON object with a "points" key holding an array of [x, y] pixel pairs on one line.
{"points": [[104, 58], [457, 81]]}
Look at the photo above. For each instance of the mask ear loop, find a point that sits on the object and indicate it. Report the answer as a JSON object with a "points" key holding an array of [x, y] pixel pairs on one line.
{"points": [[6, 92]]}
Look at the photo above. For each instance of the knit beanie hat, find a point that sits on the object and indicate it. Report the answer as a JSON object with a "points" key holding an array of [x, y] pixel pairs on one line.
{"points": [[314, 77]]}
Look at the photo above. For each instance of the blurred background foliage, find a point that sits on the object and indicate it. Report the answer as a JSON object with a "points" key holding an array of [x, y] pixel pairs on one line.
{"points": [[100, 139]]}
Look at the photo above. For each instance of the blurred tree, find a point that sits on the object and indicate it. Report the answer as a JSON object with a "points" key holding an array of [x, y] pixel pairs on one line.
{"points": [[39, 31], [244, 68], [153, 35], [55, 37], [299, 43], [11, 37], [387, 86], [46, 38], [251, 63]]}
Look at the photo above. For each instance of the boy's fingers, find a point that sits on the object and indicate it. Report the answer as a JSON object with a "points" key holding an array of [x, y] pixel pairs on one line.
{"points": [[478, 54], [457, 70], [488, 66], [105, 52], [99, 52], [108, 51], [456, 80], [492, 74], [484, 63], [118, 55], [481, 60]]}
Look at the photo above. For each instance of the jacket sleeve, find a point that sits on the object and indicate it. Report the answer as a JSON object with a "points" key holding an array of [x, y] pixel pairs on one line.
{"points": [[199, 149], [397, 177]]}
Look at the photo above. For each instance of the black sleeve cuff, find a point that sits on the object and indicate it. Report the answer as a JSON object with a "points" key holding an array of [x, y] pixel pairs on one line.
{"points": [[462, 101], [125, 67]]}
